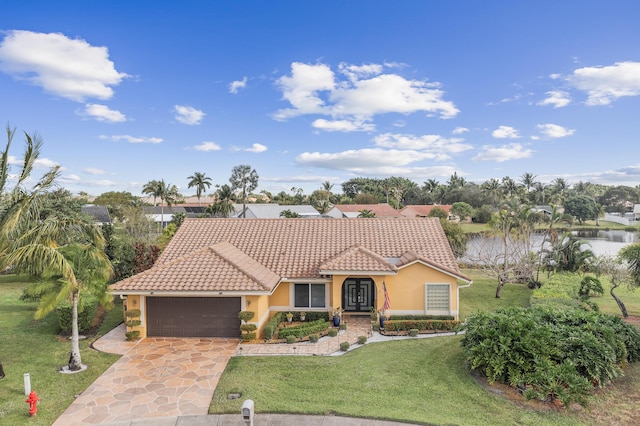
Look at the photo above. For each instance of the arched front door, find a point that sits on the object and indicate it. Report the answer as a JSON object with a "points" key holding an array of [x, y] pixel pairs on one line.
{"points": [[358, 294]]}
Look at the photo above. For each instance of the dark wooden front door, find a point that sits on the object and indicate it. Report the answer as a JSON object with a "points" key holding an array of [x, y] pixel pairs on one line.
{"points": [[358, 294], [193, 316]]}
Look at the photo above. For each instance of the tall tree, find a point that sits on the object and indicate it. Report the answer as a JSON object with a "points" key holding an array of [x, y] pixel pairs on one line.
{"points": [[168, 194], [152, 188], [245, 179], [223, 204], [69, 255], [201, 182]]}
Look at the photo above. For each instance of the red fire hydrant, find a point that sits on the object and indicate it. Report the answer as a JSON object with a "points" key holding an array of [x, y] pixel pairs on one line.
{"points": [[33, 403]]}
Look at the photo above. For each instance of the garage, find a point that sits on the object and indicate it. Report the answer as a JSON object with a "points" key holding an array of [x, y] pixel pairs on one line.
{"points": [[193, 317]]}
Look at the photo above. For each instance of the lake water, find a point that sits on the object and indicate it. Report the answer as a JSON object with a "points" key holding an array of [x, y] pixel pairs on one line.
{"points": [[601, 243]]}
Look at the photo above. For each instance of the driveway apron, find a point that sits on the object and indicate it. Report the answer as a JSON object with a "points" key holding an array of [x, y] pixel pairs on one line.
{"points": [[157, 377]]}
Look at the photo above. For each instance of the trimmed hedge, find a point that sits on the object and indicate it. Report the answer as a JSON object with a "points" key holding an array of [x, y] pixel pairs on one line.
{"points": [[272, 325], [303, 329], [420, 317], [87, 308], [436, 325]]}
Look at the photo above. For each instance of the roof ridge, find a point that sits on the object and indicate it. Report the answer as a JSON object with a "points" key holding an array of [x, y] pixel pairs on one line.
{"points": [[219, 250]]}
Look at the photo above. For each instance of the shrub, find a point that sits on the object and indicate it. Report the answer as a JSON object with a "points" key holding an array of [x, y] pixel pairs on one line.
{"points": [[313, 338], [420, 317], [406, 325], [343, 326], [291, 339], [246, 337], [272, 325], [245, 316], [344, 346], [132, 335], [333, 332], [87, 308], [303, 329], [413, 332], [550, 352], [362, 340]]}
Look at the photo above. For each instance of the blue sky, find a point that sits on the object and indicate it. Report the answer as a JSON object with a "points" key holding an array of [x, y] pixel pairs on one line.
{"points": [[123, 92]]}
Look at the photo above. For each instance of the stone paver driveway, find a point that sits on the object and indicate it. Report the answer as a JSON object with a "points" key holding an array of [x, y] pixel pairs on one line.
{"points": [[156, 377]]}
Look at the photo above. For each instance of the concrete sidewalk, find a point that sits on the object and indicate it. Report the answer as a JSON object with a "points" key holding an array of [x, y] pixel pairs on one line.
{"points": [[259, 420]]}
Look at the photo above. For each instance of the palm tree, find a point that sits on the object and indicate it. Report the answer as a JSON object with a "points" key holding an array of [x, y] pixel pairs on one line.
{"points": [[152, 188], [326, 187], [491, 188], [69, 255], [528, 180], [19, 205], [243, 178], [167, 194], [201, 182], [366, 213], [223, 206]]}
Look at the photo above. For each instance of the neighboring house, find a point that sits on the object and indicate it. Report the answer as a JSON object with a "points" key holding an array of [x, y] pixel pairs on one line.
{"points": [[163, 215], [100, 214], [353, 210], [214, 268], [423, 210], [273, 211]]}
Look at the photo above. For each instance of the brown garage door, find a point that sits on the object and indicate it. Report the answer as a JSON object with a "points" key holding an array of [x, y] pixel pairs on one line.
{"points": [[193, 316]]}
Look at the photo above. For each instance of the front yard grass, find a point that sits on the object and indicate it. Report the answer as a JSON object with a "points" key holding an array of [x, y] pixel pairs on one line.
{"points": [[33, 347], [423, 380]]}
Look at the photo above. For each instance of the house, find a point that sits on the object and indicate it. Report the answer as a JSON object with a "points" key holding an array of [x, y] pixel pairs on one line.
{"points": [[100, 214], [163, 214], [423, 210], [214, 268], [353, 210], [273, 211]]}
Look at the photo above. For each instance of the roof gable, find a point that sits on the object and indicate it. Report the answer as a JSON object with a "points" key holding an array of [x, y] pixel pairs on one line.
{"points": [[357, 258], [220, 267]]}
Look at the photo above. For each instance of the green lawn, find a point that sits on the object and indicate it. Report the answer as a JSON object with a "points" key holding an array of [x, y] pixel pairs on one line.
{"points": [[423, 381], [29, 346]]}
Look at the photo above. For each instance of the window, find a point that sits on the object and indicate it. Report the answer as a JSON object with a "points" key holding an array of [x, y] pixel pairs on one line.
{"points": [[309, 296], [437, 298]]}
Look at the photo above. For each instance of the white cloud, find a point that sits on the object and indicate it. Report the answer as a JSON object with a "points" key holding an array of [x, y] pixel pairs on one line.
{"points": [[70, 68], [365, 93], [93, 171], [436, 144], [256, 148], [301, 88], [207, 146], [132, 139], [505, 132], [188, 115], [361, 160], [606, 84], [103, 113], [356, 72], [513, 151], [343, 125], [237, 85], [460, 130], [555, 131], [556, 98]]}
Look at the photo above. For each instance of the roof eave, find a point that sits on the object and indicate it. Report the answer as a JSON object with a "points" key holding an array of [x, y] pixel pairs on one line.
{"points": [[353, 272]]}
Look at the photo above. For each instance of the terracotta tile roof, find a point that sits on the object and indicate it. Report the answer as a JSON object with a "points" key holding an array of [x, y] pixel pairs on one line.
{"points": [[220, 267], [380, 210], [422, 210], [251, 254], [357, 258]]}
